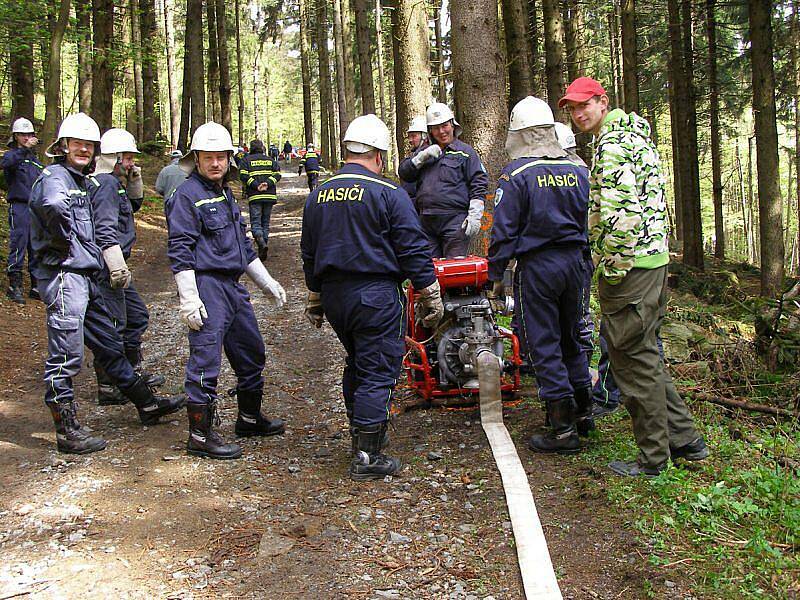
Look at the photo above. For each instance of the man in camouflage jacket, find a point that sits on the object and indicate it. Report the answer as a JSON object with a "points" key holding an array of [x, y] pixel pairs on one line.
{"points": [[628, 236]]}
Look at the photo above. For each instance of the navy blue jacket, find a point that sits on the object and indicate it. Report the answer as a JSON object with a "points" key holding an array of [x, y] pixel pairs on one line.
{"points": [[310, 161], [113, 213], [539, 203], [358, 223], [255, 169], [62, 230], [206, 229], [445, 186], [21, 169]]}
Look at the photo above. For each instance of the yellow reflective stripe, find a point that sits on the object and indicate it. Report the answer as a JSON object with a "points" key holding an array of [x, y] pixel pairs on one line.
{"points": [[244, 172], [209, 201], [364, 177], [541, 162], [94, 180], [457, 152], [250, 181], [262, 197]]}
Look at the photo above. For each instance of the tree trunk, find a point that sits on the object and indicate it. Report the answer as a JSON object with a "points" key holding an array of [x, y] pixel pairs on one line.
{"points": [[308, 123], [102, 71], [213, 62], [441, 82], [351, 54], [83, 46], [186, 104], [674, 72], [172, 86], [136, 57], [630, 70], [52, 96], [553, 53], [224, 67], [151, 118], [379, 40], [412, 69], [533, 42], [769, 205], [325, 117], [479, 76], [716, 168], [572, 16], [361, 9], [194, 52], [515, 21], [795, 57], [239, 75], [345, 109]]}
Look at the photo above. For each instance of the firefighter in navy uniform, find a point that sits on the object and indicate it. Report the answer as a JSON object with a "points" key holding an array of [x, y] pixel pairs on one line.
{"points": [[360, 240], [116, 191], [208, 252], [68, 259], [260, 174], [21, 167], [451, 184], [310, 162], [540, 219], [417, 135]]}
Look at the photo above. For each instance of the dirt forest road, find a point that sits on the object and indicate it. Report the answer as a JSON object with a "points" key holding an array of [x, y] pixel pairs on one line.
{"points": [[144, 520]]}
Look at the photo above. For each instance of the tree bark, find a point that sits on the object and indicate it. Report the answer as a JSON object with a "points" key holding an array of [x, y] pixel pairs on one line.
{"points": [[533, 42], [553, 53], [186, 104], [379, 40], [361, 10], [479, 76], [52, 96], [83, 44], [136, 58], [194, 52], [239, 75], [350, 55], [345, 109], [630, 70], [520, 74], [326, 117], [213, 62], [764, 117], [441, 82], [102, 72], [573, 38], [412, 69], [674, 72], [716, 168], [795, 57], [151, 118], [172, 86], [308, 123], [224, 67]]}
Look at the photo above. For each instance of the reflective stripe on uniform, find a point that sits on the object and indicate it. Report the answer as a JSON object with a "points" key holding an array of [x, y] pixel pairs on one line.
{"points": [[364, 177], [541, 162], [200, 203]]}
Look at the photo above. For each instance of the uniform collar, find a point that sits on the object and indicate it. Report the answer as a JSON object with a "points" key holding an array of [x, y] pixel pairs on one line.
{"points": [[358, 170], [206, 183]]}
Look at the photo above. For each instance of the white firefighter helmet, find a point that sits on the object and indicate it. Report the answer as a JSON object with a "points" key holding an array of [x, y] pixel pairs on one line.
{"points": [[175, 154], [310, 147], [209, 137], [418, 125], [79, 126], [367, 133], [22, 125], [565, 136], [531, 112], [117, 141], [438, 113]]}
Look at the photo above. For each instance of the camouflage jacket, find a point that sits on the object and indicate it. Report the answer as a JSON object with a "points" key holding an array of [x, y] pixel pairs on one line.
{"points": [[627, 206]]}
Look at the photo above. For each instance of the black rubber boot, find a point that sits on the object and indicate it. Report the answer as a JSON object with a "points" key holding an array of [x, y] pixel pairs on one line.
{"points": [[71, 438], [134, 356], [14, 291], [368, 462], [584, 421], [33, 293], [108, 394], [562, 438], [203, 440], [250, 421], [149, 406], [694, 450]]}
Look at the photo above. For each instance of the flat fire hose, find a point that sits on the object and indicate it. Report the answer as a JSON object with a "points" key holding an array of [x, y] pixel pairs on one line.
{"points": [[538, 578]]}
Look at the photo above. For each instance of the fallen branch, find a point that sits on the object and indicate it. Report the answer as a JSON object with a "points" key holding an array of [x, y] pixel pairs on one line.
{"points": [[743, 404]]}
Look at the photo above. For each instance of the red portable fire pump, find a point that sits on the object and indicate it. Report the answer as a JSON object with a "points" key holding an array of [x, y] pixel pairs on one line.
{"points": [[441, 364]]}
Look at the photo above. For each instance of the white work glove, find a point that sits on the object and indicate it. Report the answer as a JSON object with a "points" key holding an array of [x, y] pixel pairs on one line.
{"points": [[430, 154], [261, 277], [192, 310], [430, 307], [135, 187], [314, 312], [472, 224], [119, 274]]}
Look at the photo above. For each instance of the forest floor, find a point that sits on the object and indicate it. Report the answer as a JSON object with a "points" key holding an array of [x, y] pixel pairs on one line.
{"points": [[144, 520]]}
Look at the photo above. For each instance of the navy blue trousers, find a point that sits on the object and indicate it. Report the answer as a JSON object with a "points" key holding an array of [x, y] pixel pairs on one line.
{"points": [[127, 311], [605, 389], [260, 213], [368, 316], [445, 235], [76, 314], [586, 331], [19, 238], [230, 326], [551, 284]]}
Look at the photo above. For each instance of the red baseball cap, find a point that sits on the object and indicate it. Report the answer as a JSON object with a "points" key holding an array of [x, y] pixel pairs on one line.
{"points": [[581, 90]]}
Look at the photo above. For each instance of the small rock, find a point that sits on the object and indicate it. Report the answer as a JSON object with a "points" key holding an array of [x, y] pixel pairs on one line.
{"points": [[433, 455], [170, 458], [274, 545], [24, 509], [294, 469], [398, 538], [394, 594], [466, 528], [669, 584], [468, 506]]}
